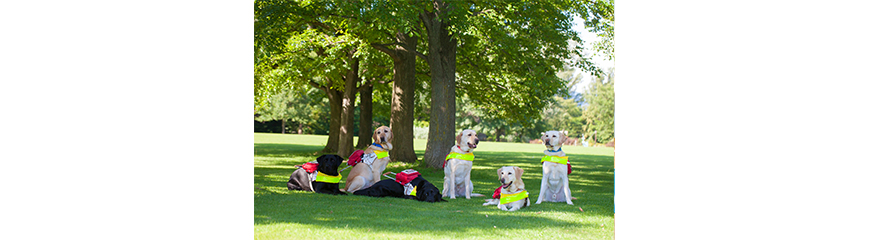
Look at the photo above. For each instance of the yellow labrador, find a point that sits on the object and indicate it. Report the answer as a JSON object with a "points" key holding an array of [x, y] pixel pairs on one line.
{"points": [[374, 161], [513, 191], [457, 166], [554, 183]]}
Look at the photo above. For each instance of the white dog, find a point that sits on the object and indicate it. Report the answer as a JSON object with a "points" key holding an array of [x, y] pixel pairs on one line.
{"points": [[457, 166], [554, 184], [513, 194]]}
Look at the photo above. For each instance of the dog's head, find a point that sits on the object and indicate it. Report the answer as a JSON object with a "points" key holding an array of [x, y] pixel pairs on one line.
{"points": [[467, 140], [553, 140], [328, 164], [383, 135], [429, 193], [511, 176]]}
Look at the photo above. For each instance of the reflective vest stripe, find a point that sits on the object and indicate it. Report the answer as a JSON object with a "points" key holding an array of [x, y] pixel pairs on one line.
{"points": [[382, 154], [462, 156], [321, 177], [414, 191], [555, 159], [513, 197]]}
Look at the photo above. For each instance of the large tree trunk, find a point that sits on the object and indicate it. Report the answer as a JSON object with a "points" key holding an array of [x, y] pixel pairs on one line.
{"points": [[282, 126], [334, 120], [345, 137], [402, 105], [365, 116], [442, 64]]}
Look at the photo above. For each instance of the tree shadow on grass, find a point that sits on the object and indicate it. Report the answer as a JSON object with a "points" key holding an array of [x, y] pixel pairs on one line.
{"points": [[591, 183], [395, 215], [285, 150]]}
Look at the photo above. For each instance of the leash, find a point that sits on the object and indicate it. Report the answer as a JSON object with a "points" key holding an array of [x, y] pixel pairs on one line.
{"points": [[385, 175]]}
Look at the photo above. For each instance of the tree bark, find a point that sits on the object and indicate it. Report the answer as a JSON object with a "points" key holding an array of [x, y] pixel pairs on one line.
{"points": [[365, 115], [348, 99], [334, 120], [402, 105], [282, 126], [442, 65]]}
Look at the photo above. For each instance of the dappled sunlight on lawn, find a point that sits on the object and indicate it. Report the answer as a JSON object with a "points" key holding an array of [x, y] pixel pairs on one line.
{"points": [[281, 213]]}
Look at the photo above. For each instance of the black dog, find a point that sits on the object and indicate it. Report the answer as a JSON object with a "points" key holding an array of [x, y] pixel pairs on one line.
{"points": [[326, 180], [426, 191]]}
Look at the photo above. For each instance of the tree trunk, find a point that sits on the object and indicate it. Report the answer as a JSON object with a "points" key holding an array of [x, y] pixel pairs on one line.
{"points": [[365, 115], [299, 129], [345, 137], [282, 126], [402, 105], [442, 64], [334, 120]]}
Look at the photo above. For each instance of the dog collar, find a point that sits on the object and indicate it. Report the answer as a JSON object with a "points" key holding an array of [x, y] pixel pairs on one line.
{"points": [[560, 149], [322, 177], [461, 156], [377, 145], [555, 159], [513, 197]]}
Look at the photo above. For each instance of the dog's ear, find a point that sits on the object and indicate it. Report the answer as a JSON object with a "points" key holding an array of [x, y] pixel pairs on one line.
{"points": [[498, 172], [389, 135], [375, 136], [564, 136], [459, 138], [519, 177]]}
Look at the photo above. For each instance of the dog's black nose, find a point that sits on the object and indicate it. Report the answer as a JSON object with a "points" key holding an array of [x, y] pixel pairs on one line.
{"points": [[476, 141]]}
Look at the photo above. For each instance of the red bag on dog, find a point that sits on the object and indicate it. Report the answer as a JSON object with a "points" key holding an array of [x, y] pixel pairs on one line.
{"points": [[404, 177], [310, 167], [355, 157]]}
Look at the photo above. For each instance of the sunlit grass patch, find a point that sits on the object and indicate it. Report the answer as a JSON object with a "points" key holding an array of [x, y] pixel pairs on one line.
{"points": [[283, 214]]}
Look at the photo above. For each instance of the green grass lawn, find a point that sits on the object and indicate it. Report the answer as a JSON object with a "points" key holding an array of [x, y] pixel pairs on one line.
{"points": [[283, 214]]}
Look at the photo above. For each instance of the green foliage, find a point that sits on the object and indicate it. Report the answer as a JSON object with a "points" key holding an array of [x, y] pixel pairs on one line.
{"points": [[598, 113], [306, 107]]}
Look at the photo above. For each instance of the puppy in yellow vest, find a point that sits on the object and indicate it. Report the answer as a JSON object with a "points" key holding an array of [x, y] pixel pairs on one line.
{"points": [[457, 166], [554, 183], [512, 194], [374, 161]]}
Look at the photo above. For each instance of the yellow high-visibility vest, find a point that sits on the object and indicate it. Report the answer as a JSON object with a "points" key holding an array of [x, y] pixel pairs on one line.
{"points": [[382, 154], [555, 159], [322, 177], [414, 191], [513, 197], [463, 156]]}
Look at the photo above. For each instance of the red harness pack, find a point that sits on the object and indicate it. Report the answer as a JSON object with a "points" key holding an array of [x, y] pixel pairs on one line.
{"points": [[405, 176], [310, 167], [355, 157]]}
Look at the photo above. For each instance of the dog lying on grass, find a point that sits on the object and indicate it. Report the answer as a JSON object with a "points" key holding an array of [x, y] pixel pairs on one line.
{"points": [[512, 194], [408, 184], [320, 177]]}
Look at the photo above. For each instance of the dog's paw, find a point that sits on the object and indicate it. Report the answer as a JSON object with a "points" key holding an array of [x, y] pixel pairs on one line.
{"points": [[539, 202], [570, 203]]}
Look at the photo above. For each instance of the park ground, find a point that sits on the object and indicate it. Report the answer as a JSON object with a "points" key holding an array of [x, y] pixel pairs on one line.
{"points": [[283, 214]]}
